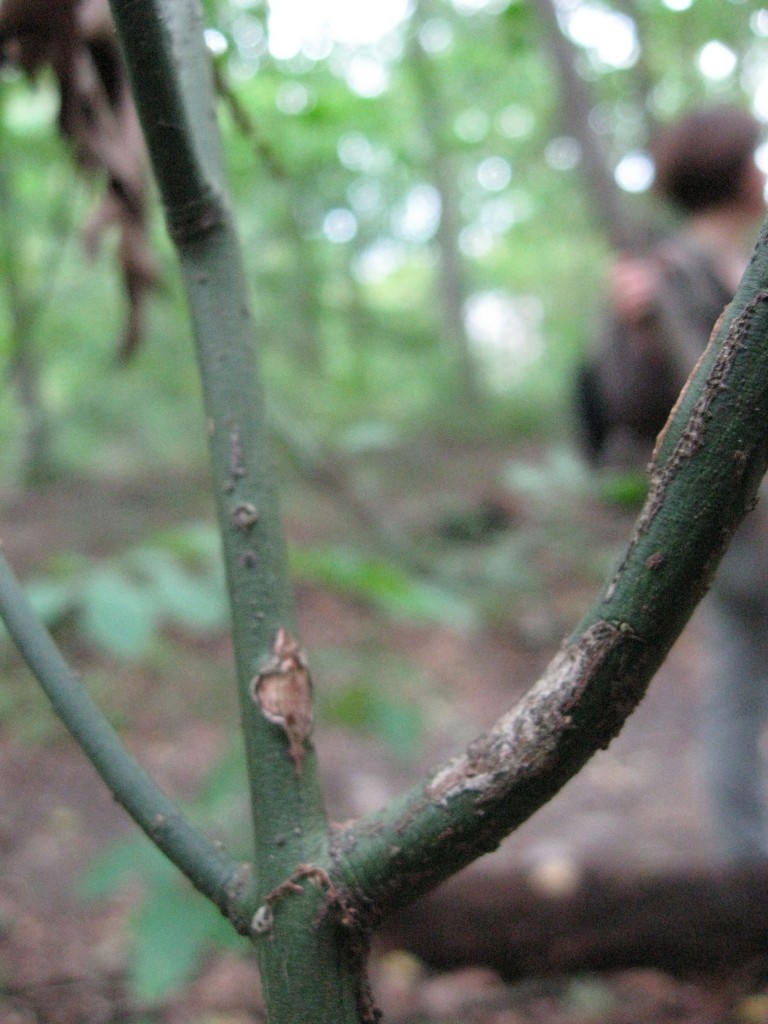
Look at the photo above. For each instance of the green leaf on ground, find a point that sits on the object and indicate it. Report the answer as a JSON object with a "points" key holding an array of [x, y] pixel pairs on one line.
{"points": [[394, 719], [117, 615], [382, 584]]}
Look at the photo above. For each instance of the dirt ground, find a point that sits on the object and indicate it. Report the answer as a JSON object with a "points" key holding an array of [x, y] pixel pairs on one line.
{"points": [[639, 804]]}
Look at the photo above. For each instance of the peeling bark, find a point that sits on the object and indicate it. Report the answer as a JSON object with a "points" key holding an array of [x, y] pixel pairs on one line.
{"points": [[524, 742], [283, 692]]}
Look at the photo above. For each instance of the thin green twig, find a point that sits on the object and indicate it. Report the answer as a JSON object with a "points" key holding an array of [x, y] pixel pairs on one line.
{"points": [[210, 869]]}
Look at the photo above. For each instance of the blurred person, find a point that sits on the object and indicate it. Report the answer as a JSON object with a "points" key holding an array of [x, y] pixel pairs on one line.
{"points": [[663, 307]]}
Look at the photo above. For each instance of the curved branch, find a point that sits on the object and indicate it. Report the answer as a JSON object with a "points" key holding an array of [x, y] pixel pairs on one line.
{"points": [[213, 872], [708, 466]]}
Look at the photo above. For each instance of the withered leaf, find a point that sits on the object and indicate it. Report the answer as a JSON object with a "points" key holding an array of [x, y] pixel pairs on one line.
{"points": [[77, 40]]}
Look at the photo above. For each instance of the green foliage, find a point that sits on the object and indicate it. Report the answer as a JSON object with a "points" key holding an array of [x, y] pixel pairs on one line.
{"points": [[173, 925], [626, 489], [116, 615], [121, 605], [381, 583], [362, 707], [362, 310]]}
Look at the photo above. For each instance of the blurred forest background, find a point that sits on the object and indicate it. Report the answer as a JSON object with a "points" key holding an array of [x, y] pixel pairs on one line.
{"points": [[426, 241], [420, 237]]}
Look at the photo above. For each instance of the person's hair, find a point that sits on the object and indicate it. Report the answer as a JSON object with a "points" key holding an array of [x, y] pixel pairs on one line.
{"points": [[700, 159]]}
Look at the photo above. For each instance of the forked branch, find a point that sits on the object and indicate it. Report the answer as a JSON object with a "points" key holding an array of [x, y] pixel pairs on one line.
{"points": [[317, 894]]}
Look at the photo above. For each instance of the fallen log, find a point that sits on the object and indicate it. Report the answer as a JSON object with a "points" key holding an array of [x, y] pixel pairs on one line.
{"points": [[704, 921]]}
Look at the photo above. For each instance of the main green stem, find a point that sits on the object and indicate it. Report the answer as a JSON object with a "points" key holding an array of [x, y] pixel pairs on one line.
{"points": [[306, 972]]}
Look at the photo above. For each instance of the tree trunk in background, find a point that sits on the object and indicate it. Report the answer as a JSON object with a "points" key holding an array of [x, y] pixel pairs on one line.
{"points": [[576, 103], [36, 459], [307, 281], [451, 285], [709, 921]]}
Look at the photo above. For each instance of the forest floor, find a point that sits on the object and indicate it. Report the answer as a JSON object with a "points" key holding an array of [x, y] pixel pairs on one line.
{"points": [[64, 958]]}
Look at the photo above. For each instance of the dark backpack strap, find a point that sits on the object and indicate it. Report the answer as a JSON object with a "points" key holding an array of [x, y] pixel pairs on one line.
{"points": [[627, 387], [591, 412]]}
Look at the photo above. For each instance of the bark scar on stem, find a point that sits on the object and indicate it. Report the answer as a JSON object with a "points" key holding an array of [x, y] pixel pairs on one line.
{"points": [[197, 217], [236, 463], [692, 436], [263, 919], [525, 741], [243, 516], [239, 883], [345, 908], [283, 692]]}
